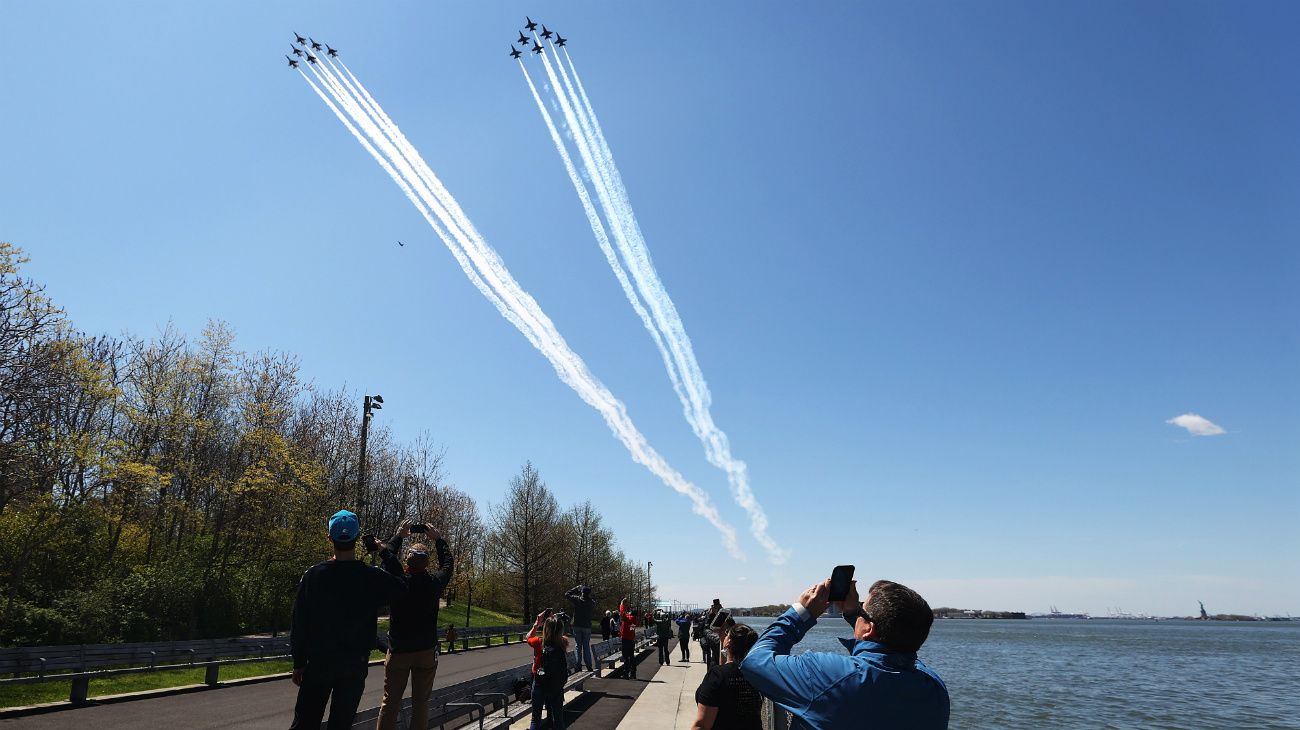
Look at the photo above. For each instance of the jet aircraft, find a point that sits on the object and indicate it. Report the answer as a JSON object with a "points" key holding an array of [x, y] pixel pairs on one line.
{"points": [[331, 51], [530, 25], [399, 243], [522, 38], [301, 41], [546, 33], [292, 63], [560, 40], [314, 45], [537, 48], [514, 52], [311, 58], [296, 51]]}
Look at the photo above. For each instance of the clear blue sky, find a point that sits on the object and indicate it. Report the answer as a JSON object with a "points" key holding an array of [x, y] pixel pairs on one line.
{"points": [[948, 267]]}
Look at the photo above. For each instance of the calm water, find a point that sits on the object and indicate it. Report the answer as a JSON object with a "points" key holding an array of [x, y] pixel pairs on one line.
{"points": [[1056, 673]]}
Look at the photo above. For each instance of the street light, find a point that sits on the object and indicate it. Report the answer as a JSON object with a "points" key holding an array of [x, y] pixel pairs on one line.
{"points": [[372, 403], [649, 587]]}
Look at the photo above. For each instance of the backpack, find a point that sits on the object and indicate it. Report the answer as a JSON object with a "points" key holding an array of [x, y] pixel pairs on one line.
{"points": [[554, 669]]}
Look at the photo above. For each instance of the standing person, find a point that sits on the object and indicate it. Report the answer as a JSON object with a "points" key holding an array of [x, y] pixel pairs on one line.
{"points": [[725, 700], [413, 630], [606, 625], [627, 633], [335, 624], [880, 682], [583, 605], [550, 668], [614, 624], [451, 638], [663, 635], [684, 635]]}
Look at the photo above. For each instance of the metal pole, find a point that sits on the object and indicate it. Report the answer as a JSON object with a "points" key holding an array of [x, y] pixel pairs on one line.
{"points": [[649, 587], [365, 430]]}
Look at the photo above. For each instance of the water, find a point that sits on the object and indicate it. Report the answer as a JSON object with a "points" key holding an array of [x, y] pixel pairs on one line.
{"points": [[1058, 673]]}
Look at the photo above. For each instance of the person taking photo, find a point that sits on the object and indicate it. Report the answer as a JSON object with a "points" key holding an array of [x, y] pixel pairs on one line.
{"points": [[413, 627], [725, 700], [550, 668]]}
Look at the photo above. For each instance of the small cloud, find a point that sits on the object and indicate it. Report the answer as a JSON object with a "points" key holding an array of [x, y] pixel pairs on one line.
{"points": [[1196, 425], [742, 579]]}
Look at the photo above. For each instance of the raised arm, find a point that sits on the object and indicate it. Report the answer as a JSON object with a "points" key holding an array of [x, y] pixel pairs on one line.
{"points": [[298, 633], [793, 681]]}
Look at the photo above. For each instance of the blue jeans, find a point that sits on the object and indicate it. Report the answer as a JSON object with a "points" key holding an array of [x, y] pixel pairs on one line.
{"points": [[554, 704], [583, 648]]}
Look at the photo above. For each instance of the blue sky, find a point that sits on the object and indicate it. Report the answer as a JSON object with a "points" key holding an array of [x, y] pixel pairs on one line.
{"points": [[948, 268]]}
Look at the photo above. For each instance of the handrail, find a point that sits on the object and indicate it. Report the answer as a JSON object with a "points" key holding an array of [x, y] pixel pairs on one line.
{"points": [[473, 706]]}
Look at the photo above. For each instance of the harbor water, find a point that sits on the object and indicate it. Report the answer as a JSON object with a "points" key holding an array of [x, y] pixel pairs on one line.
{"points": [[1060, 673]]}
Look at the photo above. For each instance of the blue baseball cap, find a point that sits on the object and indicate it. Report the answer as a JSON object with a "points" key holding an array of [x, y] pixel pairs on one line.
{"points": [[344, 526]]}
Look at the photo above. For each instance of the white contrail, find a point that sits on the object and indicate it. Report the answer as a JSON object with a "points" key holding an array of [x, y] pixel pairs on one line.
{"points": [[667, 329], [354, 107]]}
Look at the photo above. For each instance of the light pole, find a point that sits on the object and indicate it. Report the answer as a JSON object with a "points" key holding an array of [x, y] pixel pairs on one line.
{"points": [[649, 587], [372, 403]]}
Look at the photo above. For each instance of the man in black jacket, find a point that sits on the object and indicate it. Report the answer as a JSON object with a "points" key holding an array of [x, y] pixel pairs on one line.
{"points": [[583, 605], [413, 629], [334, 626]]}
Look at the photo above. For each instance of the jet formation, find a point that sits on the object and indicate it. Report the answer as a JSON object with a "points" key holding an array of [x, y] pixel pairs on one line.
{"points": [[530, 26], [302, 52]]}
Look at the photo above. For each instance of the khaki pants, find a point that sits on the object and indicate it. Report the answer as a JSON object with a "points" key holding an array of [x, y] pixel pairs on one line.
{"points": [[422, 666]]}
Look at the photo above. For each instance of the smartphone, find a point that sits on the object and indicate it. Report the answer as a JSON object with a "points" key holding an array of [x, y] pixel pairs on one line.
{"points": [[370, 542], [417, 528], [841, 579]]}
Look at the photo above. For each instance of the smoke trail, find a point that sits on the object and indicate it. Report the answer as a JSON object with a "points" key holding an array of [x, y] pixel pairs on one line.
{"points": [[354, 107], [667, 328]]}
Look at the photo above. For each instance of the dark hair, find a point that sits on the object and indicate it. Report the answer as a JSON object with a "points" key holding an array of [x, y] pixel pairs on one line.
{"points": [[741, 640], [901, 616], [343, 547]]}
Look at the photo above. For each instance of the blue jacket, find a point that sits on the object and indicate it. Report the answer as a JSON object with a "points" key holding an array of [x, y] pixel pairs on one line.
{"points": [[870, 687]]}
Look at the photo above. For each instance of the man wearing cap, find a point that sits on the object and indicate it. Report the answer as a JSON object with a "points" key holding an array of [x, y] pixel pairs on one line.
{"points": [[334, 626], [413, 629]]}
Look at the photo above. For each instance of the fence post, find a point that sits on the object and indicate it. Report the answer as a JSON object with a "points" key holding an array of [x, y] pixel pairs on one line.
{"points": [[80, 690], [210, 677], [464, 643], [505, 638]]}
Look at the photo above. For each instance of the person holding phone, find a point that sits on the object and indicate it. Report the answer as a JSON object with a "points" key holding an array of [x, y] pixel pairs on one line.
{"points": [[334, 626], [413, 627], [583, 605], [550, 668], [879, 683], [627, 636]]}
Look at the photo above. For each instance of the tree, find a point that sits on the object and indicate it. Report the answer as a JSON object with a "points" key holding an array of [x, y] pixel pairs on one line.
{"points": [[527, 538]]}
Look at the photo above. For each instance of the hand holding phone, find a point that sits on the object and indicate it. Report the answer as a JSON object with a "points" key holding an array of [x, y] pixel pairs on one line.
{"points": [[841, 577], [418, 527]]}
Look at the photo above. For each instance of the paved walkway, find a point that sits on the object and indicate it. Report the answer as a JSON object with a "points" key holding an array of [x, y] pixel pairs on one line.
{"points": [[669, 701]]}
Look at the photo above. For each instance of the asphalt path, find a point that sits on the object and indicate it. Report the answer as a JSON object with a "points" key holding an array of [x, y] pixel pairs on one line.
{"points": [[261, 705]]}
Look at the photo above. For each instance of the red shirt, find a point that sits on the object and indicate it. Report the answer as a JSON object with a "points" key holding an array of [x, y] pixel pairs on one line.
{"points": [[626, 624], [536, 643]]}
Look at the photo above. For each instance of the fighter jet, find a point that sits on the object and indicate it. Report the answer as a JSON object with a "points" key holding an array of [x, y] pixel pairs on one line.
{"points": [[292, 63], [546, 33], [537, 48], [296, 50], [399, 243], [514, 52], [530, 25], [522, 39], [311, 58], [560, 40], [301, 41], [331, 51], [314, 45]]}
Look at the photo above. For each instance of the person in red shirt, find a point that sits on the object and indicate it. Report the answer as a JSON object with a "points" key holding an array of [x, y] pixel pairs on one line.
{"points": [[548, 632], [627, 632]]}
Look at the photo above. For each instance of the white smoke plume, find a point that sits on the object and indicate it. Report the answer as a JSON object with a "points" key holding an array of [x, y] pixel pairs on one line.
{"points": [[650, 299], [378, 135]]}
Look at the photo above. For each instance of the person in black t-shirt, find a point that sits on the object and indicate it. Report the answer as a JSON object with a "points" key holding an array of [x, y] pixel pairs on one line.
{"points": [[725, 700]]}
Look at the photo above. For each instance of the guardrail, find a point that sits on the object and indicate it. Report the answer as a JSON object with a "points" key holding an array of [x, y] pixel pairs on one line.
{"points": [[108, 662]]}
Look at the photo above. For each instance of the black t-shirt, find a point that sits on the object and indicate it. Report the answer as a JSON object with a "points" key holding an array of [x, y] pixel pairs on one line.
{"points": [[740, 706]]}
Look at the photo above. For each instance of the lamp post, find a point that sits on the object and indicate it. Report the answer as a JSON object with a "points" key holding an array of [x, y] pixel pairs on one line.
{"points": [[372, 403], [649, 587]]}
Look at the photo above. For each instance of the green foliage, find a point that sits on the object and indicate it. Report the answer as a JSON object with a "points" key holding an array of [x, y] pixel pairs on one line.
{"points": [[167, 489]]}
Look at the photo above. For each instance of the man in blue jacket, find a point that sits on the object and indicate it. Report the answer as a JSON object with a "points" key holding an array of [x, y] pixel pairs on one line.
{"points": [[879, 684]]}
